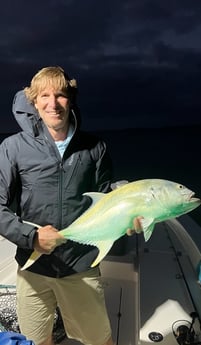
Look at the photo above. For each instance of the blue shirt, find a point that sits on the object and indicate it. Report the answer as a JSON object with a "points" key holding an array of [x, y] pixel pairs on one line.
{"points": [[62, 144]]}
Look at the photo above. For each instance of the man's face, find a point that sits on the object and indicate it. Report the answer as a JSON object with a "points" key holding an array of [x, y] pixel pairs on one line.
{"points": [[53, 108]]}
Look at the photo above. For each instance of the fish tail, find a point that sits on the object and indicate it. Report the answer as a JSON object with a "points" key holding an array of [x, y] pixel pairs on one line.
{"points": [[33, 257]]}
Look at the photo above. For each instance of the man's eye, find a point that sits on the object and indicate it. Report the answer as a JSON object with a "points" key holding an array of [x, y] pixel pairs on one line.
{"points": [[61, 95]]}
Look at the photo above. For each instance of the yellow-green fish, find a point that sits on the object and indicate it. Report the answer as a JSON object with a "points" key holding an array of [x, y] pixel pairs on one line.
{"points": [[111, 214]]}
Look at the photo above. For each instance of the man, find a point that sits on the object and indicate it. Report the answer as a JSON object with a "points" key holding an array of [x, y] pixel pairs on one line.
{"points": [[44, 170]]}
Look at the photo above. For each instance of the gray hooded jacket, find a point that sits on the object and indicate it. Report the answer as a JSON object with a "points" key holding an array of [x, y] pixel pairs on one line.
{"points": [[39, 186]]}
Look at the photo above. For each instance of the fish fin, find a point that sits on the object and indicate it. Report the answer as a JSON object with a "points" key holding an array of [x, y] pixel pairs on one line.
{"points": [[104, 247], [95, 196], [148, 226], [33, 257], [118, 184]]}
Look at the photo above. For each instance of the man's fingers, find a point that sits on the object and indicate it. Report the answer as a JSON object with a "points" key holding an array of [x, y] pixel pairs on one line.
{"points": [[130, 232], [137, 224], [137, 227], [61, 240]]}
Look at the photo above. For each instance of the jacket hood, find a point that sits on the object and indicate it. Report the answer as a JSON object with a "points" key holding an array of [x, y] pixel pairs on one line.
{"points": [[28, 118], [25, 113]]}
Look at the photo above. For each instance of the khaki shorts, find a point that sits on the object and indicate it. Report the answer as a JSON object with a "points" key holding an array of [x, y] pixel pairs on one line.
{"points": [[80, 298]]}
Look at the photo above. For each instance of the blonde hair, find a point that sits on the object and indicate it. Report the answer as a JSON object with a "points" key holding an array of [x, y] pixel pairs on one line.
{"points": [[54, 77]]}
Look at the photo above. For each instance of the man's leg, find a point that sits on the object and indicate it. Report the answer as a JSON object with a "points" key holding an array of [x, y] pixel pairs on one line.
{"points": [[36, 306], [81, 302]]}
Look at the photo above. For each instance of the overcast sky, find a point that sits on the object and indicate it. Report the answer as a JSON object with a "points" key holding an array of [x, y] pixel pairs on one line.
{"points": [[137, 62]]}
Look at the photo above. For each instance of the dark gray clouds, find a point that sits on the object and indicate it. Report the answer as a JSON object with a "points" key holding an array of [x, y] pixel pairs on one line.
{"points": [[137, 62]]}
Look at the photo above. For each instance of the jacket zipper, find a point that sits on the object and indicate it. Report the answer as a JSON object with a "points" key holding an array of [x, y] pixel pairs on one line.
{"points": [[60, 197]]}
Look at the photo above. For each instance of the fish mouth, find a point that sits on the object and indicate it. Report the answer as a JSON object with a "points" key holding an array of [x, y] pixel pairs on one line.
{"points": [[191, 198]]}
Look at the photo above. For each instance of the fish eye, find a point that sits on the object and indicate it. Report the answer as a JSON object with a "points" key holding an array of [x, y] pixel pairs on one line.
{"points": [[181, 186]]}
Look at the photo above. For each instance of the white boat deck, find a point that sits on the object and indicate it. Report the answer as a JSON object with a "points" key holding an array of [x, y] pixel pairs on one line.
{"points": [[8, 265], [151, 288], [165, 299]]}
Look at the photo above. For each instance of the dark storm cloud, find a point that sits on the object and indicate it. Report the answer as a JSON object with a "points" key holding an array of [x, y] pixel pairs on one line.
{"points": [[137, 58]]}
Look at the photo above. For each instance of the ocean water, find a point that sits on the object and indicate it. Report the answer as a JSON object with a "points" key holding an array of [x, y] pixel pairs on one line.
{"points": [[169, 153]]}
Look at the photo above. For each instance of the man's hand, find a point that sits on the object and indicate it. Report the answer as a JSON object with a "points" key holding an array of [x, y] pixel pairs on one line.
{"points": [[137, 227], [47, 239]]}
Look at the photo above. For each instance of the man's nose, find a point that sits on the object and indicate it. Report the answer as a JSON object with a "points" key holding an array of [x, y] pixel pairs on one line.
{"points": [[53, 100]]}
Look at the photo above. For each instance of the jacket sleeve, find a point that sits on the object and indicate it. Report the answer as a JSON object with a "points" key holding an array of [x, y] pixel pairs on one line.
{"points": [[11, 226], [104, 169]]}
